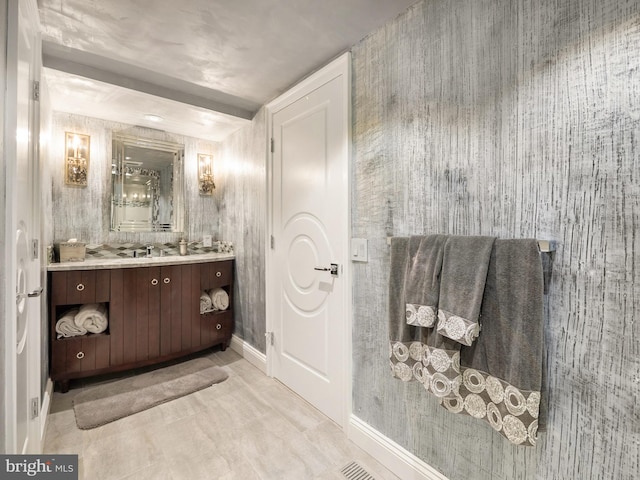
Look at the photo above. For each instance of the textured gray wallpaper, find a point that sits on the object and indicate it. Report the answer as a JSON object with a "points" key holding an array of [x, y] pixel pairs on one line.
{"points": [[241, 192], [516, 119]]}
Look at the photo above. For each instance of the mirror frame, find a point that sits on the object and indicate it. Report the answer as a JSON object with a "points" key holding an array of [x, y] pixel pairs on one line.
{"points": [[117, 165]]}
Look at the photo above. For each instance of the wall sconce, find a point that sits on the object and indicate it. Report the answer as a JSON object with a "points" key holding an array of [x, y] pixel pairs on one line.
{"points": [[76, 165], [205, 174]]}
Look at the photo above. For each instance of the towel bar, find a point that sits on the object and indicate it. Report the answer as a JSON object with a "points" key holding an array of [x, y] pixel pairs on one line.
{"points": [[545, 246]]}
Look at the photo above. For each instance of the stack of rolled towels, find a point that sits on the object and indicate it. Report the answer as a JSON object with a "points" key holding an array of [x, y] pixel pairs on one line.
{"points": [[88, 318], [212, 300]]}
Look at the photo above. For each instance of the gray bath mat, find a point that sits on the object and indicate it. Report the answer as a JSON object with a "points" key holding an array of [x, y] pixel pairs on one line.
{"points": [[112, 401]]}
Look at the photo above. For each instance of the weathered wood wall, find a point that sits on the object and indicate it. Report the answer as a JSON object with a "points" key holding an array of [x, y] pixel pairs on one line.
{"points": [[515, 119]]}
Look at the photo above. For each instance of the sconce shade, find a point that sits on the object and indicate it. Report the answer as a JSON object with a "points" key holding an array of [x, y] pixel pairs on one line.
{"points": [[76, 164], [206, 185]]}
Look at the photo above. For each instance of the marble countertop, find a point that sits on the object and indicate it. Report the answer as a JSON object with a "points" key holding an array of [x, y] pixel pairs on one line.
{"points": [[110, 263]]}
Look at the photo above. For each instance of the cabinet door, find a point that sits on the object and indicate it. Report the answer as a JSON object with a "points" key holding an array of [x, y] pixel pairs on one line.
{"points": [[179, 304], [169, 307], [154, 282], [117, 315], [190, 304], [131, 291], [135, 314]]}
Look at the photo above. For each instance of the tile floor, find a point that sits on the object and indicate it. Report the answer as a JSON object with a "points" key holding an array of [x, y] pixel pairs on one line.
{"points": [[247, 427]]}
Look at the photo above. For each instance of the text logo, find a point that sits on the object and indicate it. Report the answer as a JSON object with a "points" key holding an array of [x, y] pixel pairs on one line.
{"points": [[49, 467]]}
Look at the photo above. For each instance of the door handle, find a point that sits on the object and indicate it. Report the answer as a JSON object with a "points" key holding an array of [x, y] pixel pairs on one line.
{"points": [[333, 269], [36, 293]]}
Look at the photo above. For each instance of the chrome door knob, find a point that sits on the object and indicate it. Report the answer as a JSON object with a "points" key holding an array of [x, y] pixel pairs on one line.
{"points": [[333, 269]]}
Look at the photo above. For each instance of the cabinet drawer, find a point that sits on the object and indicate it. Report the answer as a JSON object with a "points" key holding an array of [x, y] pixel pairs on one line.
{"points": [[79, 354], [216, 327], [80, 286], [216, 274]]}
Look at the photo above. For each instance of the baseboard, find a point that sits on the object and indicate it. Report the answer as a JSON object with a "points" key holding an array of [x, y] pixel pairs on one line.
{"points": [[251, 354], [395, 458], [44, 410]]}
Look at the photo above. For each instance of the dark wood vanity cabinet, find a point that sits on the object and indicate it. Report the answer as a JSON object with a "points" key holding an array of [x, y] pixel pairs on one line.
{"points": [[154, 316]]}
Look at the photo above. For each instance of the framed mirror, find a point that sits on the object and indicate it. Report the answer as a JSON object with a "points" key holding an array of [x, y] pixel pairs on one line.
{"points": [[147, 185]]}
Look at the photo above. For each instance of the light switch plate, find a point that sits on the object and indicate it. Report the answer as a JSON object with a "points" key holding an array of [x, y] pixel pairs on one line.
{"points": [[206, 240], [359, 250]]}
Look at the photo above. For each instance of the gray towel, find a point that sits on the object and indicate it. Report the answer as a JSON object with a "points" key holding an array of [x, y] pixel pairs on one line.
{"points": [[422, 279], [405, 341], [503, 370], [464, 272], [398, 328], [418, 353]]}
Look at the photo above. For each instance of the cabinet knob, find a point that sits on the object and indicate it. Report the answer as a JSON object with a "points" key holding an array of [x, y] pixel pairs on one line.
{"points": [[154, 281], [218, 327], [167, 280], [80, 287], [218, 274], [80, 355]]}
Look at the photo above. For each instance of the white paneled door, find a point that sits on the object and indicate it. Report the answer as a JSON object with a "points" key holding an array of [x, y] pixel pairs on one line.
{"points": [[22, 345], [307, 275]]}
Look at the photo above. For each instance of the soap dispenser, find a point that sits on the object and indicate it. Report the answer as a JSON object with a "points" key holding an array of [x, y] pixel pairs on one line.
{"points": [[183, 247]]}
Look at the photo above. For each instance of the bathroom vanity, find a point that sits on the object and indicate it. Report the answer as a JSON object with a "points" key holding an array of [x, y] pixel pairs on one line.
{"points": [[153, 307]]}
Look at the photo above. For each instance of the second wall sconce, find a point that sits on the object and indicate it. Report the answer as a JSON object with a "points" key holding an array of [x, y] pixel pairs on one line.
{"points": [[205, 174], [76, 165]]}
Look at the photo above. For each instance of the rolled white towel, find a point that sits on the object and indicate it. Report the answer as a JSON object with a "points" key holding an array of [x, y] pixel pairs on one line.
{"points": [[205, 302], [66, 326], [92, 317], [219, 298]]}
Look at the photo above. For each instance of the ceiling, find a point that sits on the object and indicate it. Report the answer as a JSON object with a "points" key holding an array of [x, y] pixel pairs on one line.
{"points": [[204, 66]]}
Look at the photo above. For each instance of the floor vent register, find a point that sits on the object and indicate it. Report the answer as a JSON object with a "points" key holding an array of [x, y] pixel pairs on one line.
{"points": [[353, 471]]}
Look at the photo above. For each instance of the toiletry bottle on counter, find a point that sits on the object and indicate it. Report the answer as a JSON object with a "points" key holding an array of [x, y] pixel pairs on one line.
{"points": [[183, 247]]}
